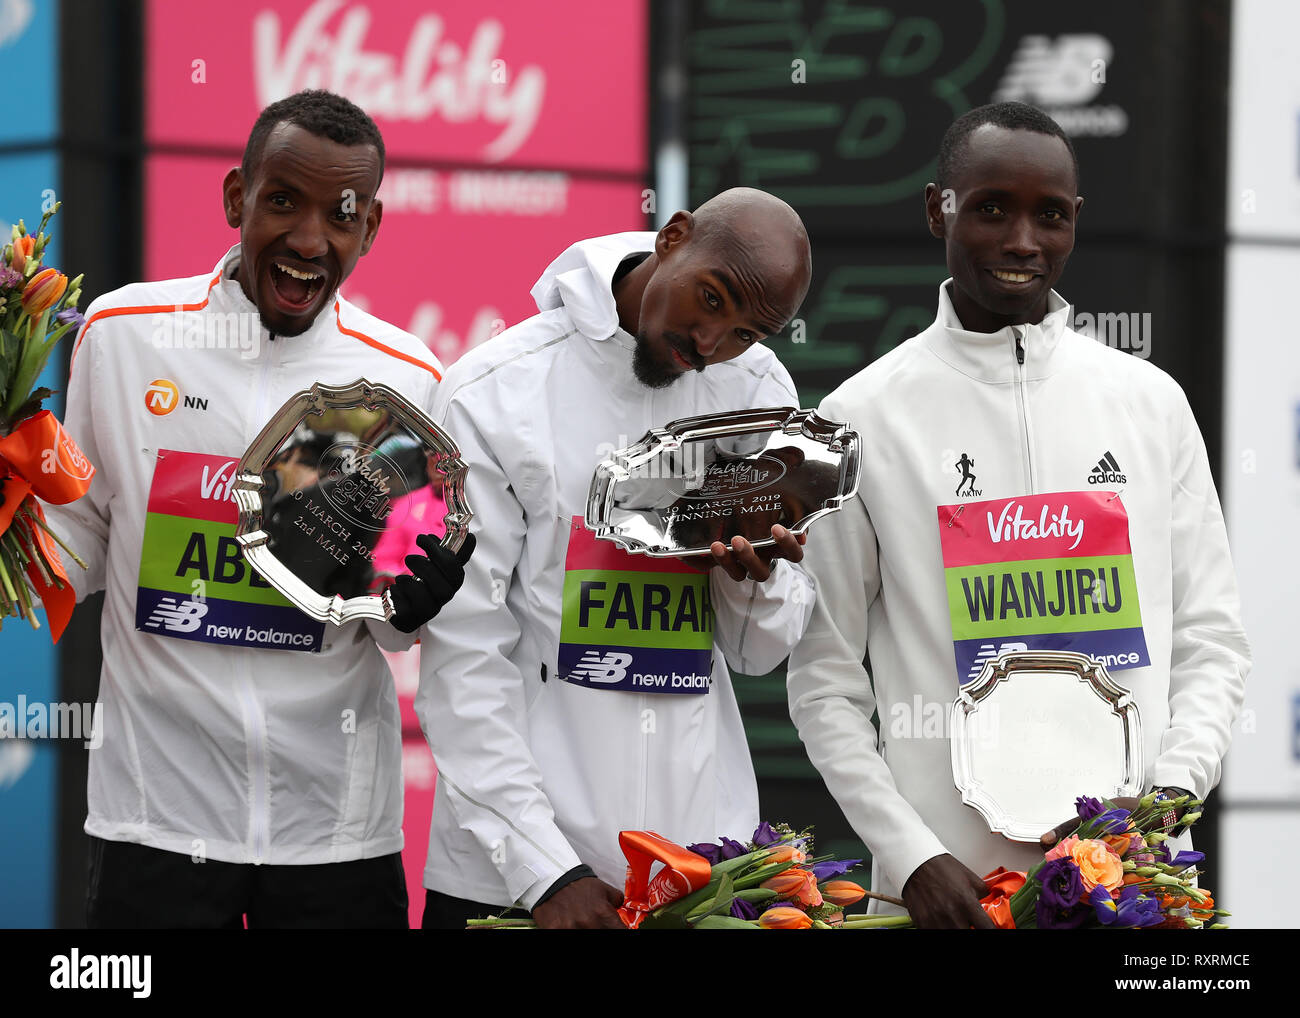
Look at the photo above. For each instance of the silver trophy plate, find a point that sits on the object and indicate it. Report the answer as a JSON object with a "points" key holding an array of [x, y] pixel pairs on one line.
{"points": [[1036, 730], [334, 470], [711, 478]]}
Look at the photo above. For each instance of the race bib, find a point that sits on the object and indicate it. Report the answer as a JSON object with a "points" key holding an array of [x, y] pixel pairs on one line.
{"points": [[1042, 572], [194, 582], [633, 623]]}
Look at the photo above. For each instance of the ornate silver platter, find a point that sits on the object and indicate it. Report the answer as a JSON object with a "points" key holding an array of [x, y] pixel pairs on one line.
{"points": [[703, 479], [335, 470], [1037, 729]]}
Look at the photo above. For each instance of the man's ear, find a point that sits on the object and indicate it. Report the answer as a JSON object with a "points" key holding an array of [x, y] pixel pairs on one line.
{"points": [[232, 197], [373, 218], [676, 231], [936, 203], [1078, 206]]}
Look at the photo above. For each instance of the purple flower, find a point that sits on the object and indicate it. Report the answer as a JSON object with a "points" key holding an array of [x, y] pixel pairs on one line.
{"points": [[765, 836], [732, 849], [1088, 807], [71, 315], [711, 852], [1133, 909], [831, 868], [9, 278], [1114, 821], [1062, 884], [1050, 918], [742, 909]]}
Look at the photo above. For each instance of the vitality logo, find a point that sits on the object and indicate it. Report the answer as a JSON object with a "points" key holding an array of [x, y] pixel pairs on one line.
{"points": [[1107, 471]]}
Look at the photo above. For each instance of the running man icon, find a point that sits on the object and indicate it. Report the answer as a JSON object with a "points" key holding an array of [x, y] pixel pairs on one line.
{"points": [[964, 464]]}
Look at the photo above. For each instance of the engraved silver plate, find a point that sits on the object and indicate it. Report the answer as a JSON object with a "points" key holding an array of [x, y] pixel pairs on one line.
{"points": [[334, 468], [1036, 730], [710, 478]]}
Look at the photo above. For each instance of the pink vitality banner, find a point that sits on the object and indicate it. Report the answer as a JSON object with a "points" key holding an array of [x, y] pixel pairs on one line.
{"points": [[512, 129]]}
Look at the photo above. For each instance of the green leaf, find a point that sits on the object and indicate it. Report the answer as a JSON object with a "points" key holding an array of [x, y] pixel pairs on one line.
{"points": [[33, 403], [724, 922], [10, 347], [722, 899], [664, 921]]}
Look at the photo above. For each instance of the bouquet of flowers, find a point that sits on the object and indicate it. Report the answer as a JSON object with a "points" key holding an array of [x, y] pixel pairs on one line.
{"points": [[771, 882], [1114, 871], [38, 460]]}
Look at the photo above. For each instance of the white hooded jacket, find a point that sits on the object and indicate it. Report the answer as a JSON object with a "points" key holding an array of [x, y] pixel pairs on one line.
{"points": [[1076, 416], [239, 753], [538, 774]]}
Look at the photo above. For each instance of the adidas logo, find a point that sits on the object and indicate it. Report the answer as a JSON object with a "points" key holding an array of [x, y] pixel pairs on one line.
{"points": [[1107, 471]]}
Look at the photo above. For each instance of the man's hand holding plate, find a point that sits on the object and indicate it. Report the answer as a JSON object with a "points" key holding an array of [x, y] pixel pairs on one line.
{"points": [[742, 561]]}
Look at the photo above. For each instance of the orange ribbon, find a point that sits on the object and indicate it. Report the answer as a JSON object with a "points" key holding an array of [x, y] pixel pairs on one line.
{"points": [[1002, 884], [38, 459], [683, 872]]}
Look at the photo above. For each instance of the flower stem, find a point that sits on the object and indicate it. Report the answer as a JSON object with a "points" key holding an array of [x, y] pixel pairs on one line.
{"points": [[41, 523]]}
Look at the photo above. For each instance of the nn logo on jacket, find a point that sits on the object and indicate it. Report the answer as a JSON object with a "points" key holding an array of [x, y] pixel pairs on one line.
{"points": [[162, 396]]}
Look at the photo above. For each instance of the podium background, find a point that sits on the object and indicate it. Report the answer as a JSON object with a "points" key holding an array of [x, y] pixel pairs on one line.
{"points": [[1190, 156]]}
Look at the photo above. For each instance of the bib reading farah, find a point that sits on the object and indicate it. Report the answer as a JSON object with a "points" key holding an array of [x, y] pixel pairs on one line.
{"points": [[633, 623]]}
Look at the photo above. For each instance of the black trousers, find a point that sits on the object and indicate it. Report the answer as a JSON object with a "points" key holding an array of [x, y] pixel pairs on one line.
{"points": [[443, 912], [134, 887]]}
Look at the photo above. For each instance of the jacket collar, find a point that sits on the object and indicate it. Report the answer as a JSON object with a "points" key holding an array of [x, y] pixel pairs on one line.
{"points": [[991, 356], [227, 295]]}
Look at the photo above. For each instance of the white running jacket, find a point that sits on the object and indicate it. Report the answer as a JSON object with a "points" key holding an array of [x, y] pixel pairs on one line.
{"points": [[217, 740], [1075, 417], [537, 774]]}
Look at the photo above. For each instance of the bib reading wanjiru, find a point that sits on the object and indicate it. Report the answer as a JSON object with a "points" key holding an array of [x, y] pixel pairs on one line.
{"points": [[194, 582], [1041, 572], [633, 623]]}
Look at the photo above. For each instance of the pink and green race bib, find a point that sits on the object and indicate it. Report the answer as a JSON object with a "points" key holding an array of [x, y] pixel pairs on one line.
{"points": [[1041, 572]]}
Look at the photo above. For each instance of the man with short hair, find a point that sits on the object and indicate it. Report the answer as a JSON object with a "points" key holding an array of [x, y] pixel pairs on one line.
{"points": [[573, 690], [1001, 381], [251, 760]]}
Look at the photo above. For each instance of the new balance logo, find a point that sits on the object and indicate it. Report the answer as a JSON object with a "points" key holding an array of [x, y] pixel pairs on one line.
{"points": [[988, 652], [179, 618], [597, 667], [1107, 471]]}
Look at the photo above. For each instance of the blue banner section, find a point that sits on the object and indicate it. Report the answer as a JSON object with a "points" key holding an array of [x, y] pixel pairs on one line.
{"points": [[212, 620], [1115, 648], [636, 669], [28, 778], [29, 55]]}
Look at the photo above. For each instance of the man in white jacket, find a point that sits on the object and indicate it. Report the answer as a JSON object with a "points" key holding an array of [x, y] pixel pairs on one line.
{"points": [[250, 763], [543, 760], [1001, 402]]}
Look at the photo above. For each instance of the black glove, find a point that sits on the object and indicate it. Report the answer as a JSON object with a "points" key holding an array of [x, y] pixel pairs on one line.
{"points": [[438, 574]]}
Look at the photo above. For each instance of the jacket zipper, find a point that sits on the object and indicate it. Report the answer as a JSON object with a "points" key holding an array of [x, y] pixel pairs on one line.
{"points": [[645, 713], [258, 777], [1022, 405]]}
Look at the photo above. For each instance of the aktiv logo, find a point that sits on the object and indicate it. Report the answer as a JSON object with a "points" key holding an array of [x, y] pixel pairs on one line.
{"points": [[161, 397], [177, 618], [1107, 471]]}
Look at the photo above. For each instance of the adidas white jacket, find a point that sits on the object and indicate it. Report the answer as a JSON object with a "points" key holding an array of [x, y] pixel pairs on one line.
{"points": [[537, 774], [242, 754], [1074, 406]]}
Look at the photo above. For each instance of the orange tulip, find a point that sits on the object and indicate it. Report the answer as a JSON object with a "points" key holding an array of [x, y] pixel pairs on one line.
{"points": [[23, 247], [783, 917], [795, 885], [785, 853], [843, 892], [43, 291]]}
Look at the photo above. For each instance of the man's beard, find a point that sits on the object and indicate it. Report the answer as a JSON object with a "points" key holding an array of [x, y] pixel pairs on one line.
{"points": [[649, 372]]}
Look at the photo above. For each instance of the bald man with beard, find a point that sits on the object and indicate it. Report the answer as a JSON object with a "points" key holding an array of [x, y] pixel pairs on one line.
{"points": [[575, 691]]}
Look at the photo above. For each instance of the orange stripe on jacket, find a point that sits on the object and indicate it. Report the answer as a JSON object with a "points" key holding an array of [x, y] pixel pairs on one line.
{"points": [[142, 309], [380, 346]]}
